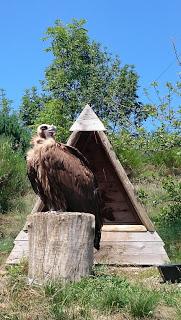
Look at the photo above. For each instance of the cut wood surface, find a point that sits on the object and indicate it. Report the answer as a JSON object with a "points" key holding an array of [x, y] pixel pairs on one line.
{"points": [[123, 228], [60, 246]]}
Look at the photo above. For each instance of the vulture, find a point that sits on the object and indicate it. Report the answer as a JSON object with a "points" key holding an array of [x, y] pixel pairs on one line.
{"points": [[62, 178]]}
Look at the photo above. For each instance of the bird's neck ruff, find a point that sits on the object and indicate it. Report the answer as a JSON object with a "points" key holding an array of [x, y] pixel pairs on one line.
{"points": [[37, 140], [38, 144]]}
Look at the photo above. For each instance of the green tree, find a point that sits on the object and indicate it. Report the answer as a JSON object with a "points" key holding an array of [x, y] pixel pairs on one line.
{"points": [[11, 126], [31, 105], [5, 103], [165, 109], [83, 72], [54, 113]]}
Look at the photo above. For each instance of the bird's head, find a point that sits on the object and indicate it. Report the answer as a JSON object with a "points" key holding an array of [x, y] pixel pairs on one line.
{"points": [[46, 131]]}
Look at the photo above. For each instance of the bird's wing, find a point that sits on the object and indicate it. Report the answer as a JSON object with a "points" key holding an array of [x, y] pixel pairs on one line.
{"points": [[32, 175], [78, 154], [68, 173]]}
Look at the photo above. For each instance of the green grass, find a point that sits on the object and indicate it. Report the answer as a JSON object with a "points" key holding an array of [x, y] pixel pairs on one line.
{"points": [[143, 302], [12, 222], [6, 245], [107, 294], [104, 295]]}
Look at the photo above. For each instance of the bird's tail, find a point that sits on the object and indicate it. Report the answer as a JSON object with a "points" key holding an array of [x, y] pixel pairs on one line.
{"points": [[97, 238]]}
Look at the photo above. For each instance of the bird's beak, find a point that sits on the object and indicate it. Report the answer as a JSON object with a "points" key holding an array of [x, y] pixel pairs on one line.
{"points": [[52, 129]]}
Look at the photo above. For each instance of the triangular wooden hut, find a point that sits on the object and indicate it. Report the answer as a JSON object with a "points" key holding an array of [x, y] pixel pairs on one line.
{"points": [[128, 235]]}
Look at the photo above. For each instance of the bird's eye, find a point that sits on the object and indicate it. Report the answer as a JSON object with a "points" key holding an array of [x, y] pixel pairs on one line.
{"points": [[44, 127]]}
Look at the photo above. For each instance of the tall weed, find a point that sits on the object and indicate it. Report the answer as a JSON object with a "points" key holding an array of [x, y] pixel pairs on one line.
{"points": [[142, 302]]}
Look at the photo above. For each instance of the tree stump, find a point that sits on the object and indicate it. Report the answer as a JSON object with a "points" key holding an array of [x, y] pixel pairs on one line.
{"points": [[60, 246]]}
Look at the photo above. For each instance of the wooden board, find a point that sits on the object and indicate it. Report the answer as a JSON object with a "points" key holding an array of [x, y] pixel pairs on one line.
{"points": [[135, 248], [87, 121], [130, 259], [131, 248], [22, 236], [123, 228], [117, 248], [131, 236], [20, 250]]}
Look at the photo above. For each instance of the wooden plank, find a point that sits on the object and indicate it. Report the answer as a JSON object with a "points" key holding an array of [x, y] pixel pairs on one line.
{"points": [[72, 140], [125, 247], [130, 236], [132, 250], [19, 252], [22, 236], [124, 228], [21, 246], [122, 248], [134, 260], [128, 253], [125, 182], [87, 121]]}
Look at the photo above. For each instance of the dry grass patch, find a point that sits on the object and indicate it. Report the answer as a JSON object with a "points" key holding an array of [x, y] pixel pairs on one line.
{"points": [[12, 222]]}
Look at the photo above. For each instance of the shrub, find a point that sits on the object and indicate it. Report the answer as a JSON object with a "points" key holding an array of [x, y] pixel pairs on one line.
{"points": [[13, 180], [136, 151], [169, 219], [171, 213], [10, 127], [128, 152]]}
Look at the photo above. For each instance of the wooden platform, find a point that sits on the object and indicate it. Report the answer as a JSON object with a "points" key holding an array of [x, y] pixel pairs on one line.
{"points": [[20, 249], [118, 247], [131, 248]]}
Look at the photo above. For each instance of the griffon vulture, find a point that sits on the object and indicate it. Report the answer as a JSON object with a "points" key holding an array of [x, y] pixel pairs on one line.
{"points": [[61, 176]]}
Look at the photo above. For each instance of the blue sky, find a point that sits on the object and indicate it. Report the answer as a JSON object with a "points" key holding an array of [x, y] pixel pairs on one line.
{"points": [[140, 32]]}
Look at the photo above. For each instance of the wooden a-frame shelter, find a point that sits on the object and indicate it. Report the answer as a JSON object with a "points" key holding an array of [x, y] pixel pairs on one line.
{"points": [[128, 235]]}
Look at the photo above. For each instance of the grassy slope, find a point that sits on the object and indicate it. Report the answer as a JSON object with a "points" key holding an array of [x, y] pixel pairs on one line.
{"points": [[114, 293]]}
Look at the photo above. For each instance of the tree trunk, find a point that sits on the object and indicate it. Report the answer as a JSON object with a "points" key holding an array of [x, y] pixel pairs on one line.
{"points": [[60, 246]]}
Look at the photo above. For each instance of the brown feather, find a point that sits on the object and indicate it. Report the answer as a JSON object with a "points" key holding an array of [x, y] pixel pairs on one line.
{"points": [[60, 175]]}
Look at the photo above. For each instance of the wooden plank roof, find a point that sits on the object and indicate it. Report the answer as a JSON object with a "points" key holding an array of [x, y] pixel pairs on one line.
{"points": [[87, 121]]}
